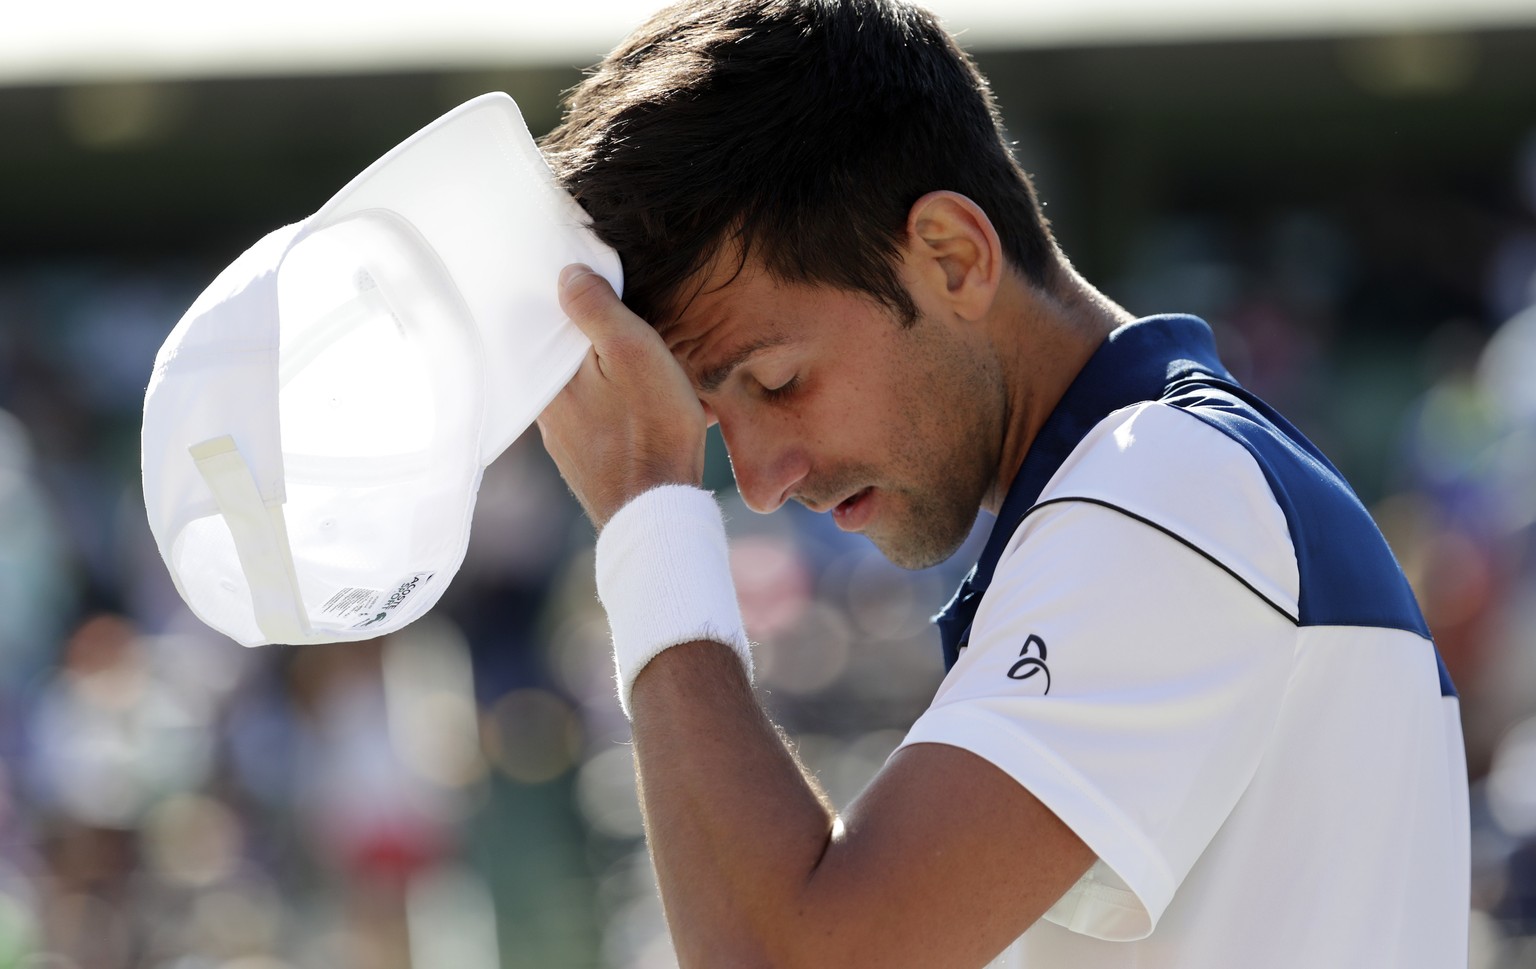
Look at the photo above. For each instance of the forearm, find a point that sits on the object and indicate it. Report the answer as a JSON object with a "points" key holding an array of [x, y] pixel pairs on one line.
{"points": [[735, 827]]}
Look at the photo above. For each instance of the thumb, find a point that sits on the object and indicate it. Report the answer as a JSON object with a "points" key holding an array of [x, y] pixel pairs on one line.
{"points": [[592, 305]]}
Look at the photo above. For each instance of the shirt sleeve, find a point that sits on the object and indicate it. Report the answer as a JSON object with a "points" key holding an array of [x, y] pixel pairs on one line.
{"points": [[1130, 683]]}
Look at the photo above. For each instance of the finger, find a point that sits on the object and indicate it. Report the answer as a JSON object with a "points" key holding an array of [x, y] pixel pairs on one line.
{"points": [[592, 305]]}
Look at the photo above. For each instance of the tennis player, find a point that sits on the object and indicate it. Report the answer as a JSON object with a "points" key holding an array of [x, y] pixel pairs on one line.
{"points": [[1193, 717]]}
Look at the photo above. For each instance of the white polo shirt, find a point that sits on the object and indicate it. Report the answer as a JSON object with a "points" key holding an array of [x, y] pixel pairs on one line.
{"points": [[1188, 639]]}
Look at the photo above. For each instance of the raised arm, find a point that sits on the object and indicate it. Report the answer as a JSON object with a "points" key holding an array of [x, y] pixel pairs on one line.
{"points": [[941, 862]]}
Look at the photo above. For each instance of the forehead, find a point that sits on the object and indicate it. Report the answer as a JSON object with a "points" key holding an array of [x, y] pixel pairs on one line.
{"points": [[740, 312], [737, 309]]}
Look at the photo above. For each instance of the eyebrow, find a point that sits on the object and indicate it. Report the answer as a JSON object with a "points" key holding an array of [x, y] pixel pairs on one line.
{"points": [[712, 378]]}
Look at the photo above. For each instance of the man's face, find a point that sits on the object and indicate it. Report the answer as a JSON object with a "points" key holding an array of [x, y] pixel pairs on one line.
{"points": [[823, 397]]}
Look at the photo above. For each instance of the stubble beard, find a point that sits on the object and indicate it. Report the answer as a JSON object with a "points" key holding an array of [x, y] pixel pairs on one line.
{"points": [[931, 500], [934, 523], [950, 447], [958, 441]]}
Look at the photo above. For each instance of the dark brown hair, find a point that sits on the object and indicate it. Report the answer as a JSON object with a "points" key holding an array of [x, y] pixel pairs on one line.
{"points": [[800, 131]]}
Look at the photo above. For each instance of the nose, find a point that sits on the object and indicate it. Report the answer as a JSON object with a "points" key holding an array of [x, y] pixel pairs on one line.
{"points": [[767, 470]]}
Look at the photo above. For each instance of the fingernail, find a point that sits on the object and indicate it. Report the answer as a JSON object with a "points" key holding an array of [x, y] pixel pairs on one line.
{"points": [[575, 269]]}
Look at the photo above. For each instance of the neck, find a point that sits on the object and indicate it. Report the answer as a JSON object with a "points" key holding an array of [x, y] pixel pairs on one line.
{"points": [[1044, 338]]}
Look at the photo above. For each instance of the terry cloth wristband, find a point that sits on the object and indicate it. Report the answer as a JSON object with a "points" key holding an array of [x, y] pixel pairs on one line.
{"points": [[664, 576]]}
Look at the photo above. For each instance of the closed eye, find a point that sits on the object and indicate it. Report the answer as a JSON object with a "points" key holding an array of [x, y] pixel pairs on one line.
{"points": [[783, 391]]}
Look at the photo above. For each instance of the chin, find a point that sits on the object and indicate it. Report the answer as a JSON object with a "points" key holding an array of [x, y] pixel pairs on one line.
{"points": [[920, 549]]}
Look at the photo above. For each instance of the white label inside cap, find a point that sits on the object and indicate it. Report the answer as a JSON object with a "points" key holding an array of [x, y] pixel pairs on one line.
{"points": [[379, 611], [350, 601]]}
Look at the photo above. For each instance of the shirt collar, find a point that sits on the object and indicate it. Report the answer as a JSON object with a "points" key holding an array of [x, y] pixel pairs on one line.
{"points": [[1137, 362]]}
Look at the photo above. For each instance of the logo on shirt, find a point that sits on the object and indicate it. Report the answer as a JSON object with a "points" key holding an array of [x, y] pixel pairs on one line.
{"points": [[1031, 661]]}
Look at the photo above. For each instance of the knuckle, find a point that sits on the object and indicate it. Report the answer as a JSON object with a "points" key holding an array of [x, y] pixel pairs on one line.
{"points": [[626, 347]]}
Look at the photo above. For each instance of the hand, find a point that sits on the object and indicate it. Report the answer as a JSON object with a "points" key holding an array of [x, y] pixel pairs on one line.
{"points": [[629, 420]]}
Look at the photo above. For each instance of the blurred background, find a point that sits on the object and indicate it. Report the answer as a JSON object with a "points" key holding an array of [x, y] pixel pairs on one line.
{"points": [[1346, 190]]}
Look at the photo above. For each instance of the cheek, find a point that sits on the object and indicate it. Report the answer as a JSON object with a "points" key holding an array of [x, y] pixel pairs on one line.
{"points": [[950, 406], [848, 417]]}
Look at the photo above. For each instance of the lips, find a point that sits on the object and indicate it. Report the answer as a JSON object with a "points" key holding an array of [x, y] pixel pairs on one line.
{"points": [[853, 512]]}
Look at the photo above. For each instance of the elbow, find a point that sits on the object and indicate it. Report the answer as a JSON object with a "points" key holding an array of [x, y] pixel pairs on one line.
{"points": [[787, 944]]}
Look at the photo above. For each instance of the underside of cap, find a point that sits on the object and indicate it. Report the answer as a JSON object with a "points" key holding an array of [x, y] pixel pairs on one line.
{"points": [[477, 190], [327, 495]]}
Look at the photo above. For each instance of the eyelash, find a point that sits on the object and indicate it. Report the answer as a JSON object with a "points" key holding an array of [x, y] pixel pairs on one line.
{"points": [[784, 390]]}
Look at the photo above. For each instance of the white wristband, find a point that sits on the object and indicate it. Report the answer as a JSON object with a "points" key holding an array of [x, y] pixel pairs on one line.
{"points": [[664, 576]]}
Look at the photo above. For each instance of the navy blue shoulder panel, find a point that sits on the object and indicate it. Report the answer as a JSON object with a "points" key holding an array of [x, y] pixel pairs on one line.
{"points": [[1349, 576]]}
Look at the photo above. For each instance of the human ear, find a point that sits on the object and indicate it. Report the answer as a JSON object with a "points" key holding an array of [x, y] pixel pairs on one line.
{"points": [[953, 254]]}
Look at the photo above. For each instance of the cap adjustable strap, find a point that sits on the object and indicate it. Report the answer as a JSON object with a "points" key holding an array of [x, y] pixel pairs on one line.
{"points": [[261, 539]]}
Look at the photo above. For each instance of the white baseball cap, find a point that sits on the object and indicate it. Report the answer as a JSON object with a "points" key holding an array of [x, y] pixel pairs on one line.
{"points": [[317, 424]]}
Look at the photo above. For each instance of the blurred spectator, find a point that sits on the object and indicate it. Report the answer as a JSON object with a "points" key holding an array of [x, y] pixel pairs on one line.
{"points": [[36, 585]]}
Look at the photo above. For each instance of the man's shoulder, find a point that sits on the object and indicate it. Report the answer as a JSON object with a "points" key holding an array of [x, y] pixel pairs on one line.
{"points": [[1218, 469], [1161, 466]]}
